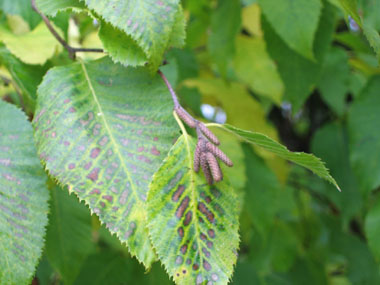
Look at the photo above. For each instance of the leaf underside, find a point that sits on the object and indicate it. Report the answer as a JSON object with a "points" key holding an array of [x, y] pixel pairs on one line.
{"points": [[23, 198], [193, 226], [103, 130]]}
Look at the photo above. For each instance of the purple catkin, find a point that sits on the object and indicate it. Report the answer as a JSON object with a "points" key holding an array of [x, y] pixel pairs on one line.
{"points": [[185, 117], [208, 134], [214, 167], [219, 154], [206, 169]]}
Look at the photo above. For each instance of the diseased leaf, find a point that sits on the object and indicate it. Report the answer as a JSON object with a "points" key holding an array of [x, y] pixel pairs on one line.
{"points": [[295, 21], [68, 237], [306, 160], [193, 226], [254, 67], [225, 26], [150, 23], [103, 130], [35, 47], [23, 198], [363, 126]]}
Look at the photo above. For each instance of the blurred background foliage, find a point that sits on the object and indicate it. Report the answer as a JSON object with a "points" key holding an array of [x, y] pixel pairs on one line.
{"points": [[302, 72]]}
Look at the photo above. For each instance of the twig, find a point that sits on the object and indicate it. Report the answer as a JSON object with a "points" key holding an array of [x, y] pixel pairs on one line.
{"points": [[206, 152], [71, 50]]}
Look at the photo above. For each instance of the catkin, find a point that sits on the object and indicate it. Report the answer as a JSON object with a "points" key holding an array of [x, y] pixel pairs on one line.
{"points": [[206, 169], [197, 157], [219, 154], [214, 167], [185, 117], [208, 134]]}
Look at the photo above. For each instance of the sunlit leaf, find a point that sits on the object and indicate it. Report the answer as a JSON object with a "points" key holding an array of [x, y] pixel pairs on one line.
{"points": [[193, 226], [23, 198], [51, 8], [103, 130], [35, 47], [255, 68]]}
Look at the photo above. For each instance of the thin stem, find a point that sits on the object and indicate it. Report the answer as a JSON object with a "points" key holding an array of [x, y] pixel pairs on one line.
{"points": [[174, 96], [72, 50]]}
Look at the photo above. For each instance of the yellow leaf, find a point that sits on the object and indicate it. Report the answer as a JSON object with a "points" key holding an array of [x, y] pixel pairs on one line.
{"points": [[251, 19], [254, 67], [35, 47]]}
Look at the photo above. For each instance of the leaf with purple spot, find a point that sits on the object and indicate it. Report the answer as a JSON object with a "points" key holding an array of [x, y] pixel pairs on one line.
{"points": [[103, 130], [193, 226], [23, 198]]}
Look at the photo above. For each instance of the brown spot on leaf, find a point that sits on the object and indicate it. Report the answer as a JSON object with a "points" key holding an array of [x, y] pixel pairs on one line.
{"points": [[211, 233], [109, 198], [95, 152], [182, 207], [71, 165], [180, 232], [205, 211], [188, 217], [209, 244], [195, 266], [155, 151], [177, 194], [206, 265], [95, 191], [183, 249], [94, 174]]}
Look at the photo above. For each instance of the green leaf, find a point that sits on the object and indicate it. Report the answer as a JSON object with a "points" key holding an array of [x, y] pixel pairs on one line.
{"points": [[372, 229], [298, 73], [121, 47], [103, 130], [221, 42], [51, 8], [254, 67], [35, 47], [26, 77], [334, 80], [150, 23], [365, 137], [68, 237], [337, 160], [193, 226], [23, 198], [306, 160], [295, 21], [22, 8]]}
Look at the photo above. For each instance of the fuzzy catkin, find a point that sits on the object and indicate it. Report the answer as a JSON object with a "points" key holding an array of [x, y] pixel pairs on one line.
{"points": [[219, 154]]}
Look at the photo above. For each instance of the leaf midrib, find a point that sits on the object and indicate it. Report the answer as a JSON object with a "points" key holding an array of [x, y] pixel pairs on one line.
{"points": [[108, 130]]}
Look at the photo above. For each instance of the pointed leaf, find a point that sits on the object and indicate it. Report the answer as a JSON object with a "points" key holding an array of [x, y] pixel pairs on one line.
{"points": [[193, 226], [103, 130], [150, 22], [295, 21], [23, 198], [68, 236], [306, 160]]}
